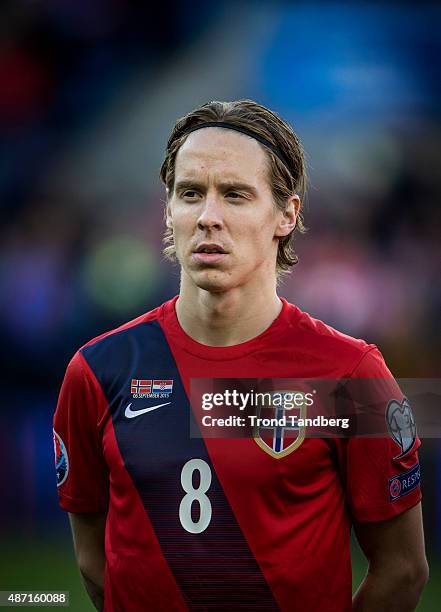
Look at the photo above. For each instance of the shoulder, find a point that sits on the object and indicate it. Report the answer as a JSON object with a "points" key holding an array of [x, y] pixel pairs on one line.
{"points": [[320, 340], [115, 347], [112, 335], [111, 355], [131, 329]]}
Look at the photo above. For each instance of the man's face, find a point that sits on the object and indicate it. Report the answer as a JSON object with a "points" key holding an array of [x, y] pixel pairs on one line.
{"points": [[224, 220]]}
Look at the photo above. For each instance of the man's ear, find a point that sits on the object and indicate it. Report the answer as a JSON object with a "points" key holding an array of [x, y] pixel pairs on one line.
{"points": [[168, 217], [288, 217]]}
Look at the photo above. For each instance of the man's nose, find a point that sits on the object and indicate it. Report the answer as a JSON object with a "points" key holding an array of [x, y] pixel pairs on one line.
{"points": [[211, 214]]}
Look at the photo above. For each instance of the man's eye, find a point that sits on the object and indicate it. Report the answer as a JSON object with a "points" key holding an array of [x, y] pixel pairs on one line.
{"points": [[233, 195], [190, 194]]}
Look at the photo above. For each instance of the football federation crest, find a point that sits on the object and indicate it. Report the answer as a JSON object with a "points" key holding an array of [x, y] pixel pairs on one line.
{"points": [[401, 425], [61, 459], [277, 431]]}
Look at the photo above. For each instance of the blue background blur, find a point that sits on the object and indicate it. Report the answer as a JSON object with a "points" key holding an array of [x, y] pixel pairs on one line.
{"points": [[88, 94]]}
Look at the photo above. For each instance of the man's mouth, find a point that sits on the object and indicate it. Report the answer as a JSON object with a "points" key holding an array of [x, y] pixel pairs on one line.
{"points": [[210, 248], [209, 253]]}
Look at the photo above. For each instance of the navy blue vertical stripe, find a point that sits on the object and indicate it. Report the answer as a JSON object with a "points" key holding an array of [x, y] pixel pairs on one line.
{"points": [[215, 569], [278, 431]]}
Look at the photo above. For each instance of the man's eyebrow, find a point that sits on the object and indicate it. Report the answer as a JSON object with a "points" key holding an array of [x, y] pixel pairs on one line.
{"points": [[230, 184], [238, 186], [188, 184]]}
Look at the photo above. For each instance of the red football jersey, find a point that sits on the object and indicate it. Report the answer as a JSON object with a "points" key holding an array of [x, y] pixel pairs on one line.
{"points": [[253, 530]]}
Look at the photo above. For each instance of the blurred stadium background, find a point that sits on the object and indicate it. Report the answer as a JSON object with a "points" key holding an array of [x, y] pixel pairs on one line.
{"points": [[88, 94]]}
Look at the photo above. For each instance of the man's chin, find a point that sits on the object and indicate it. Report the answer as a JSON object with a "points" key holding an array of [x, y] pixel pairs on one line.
{"points": [[212, 280]]}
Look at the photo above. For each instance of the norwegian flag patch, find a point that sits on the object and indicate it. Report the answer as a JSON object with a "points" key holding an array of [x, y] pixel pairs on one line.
{"points": [[141, 386], [146, 387]]}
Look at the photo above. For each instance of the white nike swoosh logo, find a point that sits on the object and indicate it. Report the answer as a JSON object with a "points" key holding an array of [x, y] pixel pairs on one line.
{"points": [[130, 414]]}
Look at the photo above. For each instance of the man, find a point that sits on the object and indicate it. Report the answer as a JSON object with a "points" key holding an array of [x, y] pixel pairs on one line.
{"points": [[165, 521]]}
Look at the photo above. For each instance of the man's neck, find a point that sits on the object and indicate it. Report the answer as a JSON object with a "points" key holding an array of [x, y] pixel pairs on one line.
{"points": [[228, 318]]}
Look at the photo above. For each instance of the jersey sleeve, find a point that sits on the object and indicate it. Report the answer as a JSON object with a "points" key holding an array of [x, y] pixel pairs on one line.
{"points": [[382, 472], [82, 476]]}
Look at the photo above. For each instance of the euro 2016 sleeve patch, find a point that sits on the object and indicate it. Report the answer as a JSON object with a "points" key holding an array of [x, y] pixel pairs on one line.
{"points": [[61, 459], [404, 483]]}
